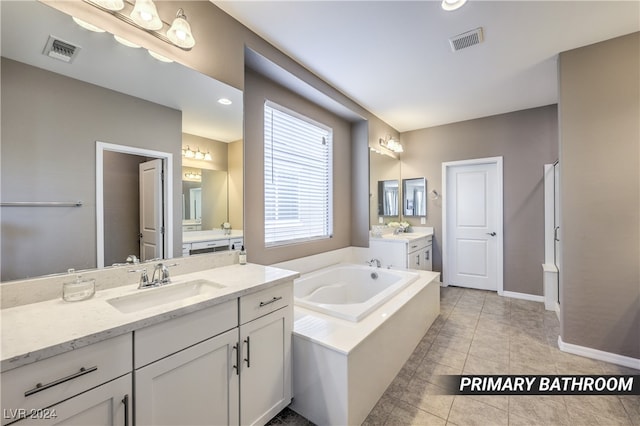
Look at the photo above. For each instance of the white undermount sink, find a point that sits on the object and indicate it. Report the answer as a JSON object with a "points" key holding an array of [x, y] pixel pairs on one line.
{"points": [[152, 297]]}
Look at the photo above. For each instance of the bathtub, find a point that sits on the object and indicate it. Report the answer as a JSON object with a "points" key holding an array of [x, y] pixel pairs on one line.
{"points": [[350, 291], [353, 333]]}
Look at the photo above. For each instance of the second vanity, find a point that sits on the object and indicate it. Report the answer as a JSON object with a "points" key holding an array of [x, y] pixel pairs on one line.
{"points": [[197, 242], [404, 250], [214, 348]]}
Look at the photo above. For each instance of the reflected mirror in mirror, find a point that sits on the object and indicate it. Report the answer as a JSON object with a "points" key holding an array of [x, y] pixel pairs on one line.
{"points": [[382, 167], [204, 195], [388, 202], [414, 197], [53, 115]]}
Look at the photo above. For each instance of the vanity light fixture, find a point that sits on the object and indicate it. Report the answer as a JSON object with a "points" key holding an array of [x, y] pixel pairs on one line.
{"points": [[143, 14], [192, 175], [451, 5], [180, 31], [197, 154], [391, 144]]}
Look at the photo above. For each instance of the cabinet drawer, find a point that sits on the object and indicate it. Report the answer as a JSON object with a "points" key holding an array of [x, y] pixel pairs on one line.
{"points": [[209, 244], [55, 379], [236, 243], [168, 337], [255, 305], [417, 244]]}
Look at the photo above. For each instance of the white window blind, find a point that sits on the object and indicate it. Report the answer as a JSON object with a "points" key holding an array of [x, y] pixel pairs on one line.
{"points": [[298, 177]]}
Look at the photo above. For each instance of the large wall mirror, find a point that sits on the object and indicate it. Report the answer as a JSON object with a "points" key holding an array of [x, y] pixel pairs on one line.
{"points": [[54, 115], [384, 178]]}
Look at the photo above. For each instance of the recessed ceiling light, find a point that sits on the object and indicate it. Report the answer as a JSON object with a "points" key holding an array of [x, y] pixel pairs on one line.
{"points": [[224, 101], [87, 26], [450, 5], [125, 42]]}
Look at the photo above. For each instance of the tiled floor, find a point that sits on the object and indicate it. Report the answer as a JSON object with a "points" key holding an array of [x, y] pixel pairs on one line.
{"points": [[479, 332]]}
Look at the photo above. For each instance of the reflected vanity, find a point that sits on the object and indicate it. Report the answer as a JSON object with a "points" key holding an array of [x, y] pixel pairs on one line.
{"points": [[414, 199], [53, 115]]}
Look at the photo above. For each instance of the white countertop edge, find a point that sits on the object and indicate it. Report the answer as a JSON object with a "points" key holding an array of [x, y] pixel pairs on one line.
{"points": [[344, 336], [402, 237], [44, 341]]}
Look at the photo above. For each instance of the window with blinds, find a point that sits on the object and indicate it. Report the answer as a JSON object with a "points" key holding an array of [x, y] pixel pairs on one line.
{"points": [[298, 177]]}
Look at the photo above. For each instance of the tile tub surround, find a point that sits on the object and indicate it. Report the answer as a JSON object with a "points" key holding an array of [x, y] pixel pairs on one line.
{"points": [[44, 329], [39, 289]]}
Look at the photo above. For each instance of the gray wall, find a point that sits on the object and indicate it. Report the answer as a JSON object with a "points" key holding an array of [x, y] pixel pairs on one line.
{"points": [[600, 195], [121, 206], [50, 124], [527, 140], [257, 90]]}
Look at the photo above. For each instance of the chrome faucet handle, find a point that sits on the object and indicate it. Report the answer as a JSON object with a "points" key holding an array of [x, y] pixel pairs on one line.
{"points": [[144, 278]]}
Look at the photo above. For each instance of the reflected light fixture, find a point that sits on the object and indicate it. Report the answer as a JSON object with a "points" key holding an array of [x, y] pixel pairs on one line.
{"points": [[159, 57], [87, 26], [451, 5], [126, 42], [180, 31], [146, 15], [391, 144], [188, 153], [207, 156], [199, 155], [196, 155], [143, 14]]}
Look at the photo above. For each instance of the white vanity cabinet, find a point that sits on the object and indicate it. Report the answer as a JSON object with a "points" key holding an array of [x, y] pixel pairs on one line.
{"points": [[89, 385], [218, 366], [266, 319], [184, 369], [403, 251]]}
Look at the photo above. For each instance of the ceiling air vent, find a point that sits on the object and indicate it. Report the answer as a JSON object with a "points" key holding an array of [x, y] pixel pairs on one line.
{"points": [[468, 39], [61, 50]]}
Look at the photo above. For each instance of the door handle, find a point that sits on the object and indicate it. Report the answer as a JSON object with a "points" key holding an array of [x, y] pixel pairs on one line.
{"points": [[555, 233], [493, 234]]}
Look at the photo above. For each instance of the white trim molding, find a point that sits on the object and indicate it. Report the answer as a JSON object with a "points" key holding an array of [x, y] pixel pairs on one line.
{"points": [[523, 296], [612, 358], [168, 194]]}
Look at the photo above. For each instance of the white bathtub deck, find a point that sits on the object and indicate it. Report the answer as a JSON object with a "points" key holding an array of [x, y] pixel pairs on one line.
{"points": [[341, 368]]}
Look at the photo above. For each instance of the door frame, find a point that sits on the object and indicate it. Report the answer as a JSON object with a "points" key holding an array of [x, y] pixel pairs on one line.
{"points": [[498, 162], [167, 189]]}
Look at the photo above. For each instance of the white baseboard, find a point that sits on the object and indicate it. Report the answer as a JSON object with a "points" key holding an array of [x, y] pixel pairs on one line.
{"points": [[599, 355], [524, 296]]}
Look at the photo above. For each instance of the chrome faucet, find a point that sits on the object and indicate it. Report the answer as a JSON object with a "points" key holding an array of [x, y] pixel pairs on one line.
{"points": [[374, 261], [163, 274], [144, 278]]}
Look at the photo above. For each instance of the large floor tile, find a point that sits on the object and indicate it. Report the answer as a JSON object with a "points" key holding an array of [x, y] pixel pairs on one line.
{"points": [[428, 397], [405, 414], [468, 411]]}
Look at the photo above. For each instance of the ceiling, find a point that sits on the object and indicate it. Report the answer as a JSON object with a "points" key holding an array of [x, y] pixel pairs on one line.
{"points": [[394, 58], [26, 26]]}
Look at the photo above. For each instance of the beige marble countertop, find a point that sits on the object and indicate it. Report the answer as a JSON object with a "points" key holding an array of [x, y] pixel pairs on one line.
{"points": [[44, 329]]}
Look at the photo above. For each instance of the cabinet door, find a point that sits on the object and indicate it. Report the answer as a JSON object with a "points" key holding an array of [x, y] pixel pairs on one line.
{"points": [[265, 377], [415, 260], [196, 386], [428, 258], [108, 404]]}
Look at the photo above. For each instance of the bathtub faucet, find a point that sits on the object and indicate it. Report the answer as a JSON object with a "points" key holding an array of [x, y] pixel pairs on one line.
{"points": [[374, 261]]}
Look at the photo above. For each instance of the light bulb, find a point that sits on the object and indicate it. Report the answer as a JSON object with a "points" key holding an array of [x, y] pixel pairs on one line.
{"points": [[180, 31]]}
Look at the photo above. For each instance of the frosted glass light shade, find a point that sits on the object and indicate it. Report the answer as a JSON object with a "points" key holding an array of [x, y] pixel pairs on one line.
{"points": [[450, 5], [87, 26], [110, 4], [146, 15], [180, 32]]}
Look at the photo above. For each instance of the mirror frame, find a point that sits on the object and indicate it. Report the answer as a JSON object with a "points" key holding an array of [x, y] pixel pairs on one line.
{"points": [[406, 200]]}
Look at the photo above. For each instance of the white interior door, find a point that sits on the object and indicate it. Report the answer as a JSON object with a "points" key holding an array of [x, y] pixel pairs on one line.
{"points": [[151, 212], [473, 232]]}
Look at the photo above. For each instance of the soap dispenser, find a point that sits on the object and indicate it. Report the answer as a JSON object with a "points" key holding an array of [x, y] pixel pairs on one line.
{"points": [[242, 256], [78, 289]]}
